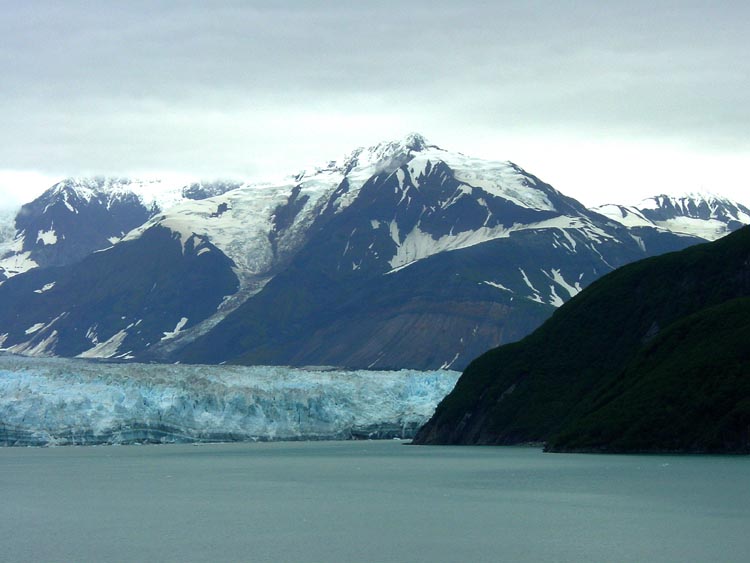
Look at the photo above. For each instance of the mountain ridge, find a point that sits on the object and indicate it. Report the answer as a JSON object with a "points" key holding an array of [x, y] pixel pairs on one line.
{"points": [[481, 251], [709, 216]]}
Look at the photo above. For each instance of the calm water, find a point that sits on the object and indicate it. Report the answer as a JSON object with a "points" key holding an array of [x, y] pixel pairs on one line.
{"points": [[368, 501]]}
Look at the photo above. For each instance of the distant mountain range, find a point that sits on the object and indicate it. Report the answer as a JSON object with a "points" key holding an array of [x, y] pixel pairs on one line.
{"points": [[707, 216], [654, 357], [399, 255], [79, 216]]}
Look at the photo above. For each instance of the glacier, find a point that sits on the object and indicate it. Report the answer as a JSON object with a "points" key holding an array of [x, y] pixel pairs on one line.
{"points": [[52, 401]]}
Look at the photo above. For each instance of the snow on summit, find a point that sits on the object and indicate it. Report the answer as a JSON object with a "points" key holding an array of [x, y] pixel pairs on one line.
{"points": [[158, 192]]}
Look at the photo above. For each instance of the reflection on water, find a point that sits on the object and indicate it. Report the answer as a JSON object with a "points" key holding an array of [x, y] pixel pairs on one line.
{"points": [[368, 501]]}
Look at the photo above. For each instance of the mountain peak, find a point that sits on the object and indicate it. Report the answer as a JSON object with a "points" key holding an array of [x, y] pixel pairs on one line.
{"points": [[387, 153], [415, 142]]}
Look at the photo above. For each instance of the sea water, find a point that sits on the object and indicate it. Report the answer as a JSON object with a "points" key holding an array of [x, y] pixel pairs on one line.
{"points": [[362, 501]]}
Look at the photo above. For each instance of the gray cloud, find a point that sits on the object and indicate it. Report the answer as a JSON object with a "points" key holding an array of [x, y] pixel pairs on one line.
{"points": [[227, 86]]}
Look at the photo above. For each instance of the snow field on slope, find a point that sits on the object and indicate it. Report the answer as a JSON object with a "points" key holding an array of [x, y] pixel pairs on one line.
{"points": [[501, 179], [625, 215], [54, 401], [242, 230], [418, 245], [709, 229]]}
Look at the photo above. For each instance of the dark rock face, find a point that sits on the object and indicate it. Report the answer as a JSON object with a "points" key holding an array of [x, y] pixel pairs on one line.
{"points": [[132, 295]]}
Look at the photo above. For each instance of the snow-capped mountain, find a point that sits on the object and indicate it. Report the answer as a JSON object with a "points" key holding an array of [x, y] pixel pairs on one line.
{"points": [[707, 216], [78, 216], [436, 257], [398, 255]]}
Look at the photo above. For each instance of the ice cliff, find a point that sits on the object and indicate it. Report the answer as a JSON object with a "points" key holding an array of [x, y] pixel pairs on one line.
{"points": [[57, 402]]}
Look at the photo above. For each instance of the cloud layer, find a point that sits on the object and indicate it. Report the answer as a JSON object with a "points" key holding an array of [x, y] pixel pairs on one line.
{"points": [[240, 88]]}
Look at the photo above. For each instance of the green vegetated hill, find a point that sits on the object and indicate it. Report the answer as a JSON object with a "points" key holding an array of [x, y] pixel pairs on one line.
{"points": [[652, 357]]}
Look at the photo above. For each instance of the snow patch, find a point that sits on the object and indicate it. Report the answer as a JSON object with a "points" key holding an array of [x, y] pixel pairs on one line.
{"points": [[91, 334], [394, 232], [498, 286], [558, 278], [639, 241], [418, 244], [16, 262], [418, 168], [34, 328], [44, 347], [554, 299], [709, 229], [400, 176], [106, 349], [180, 325], [536, 297], [570, 239], [448, 364], [45, 287], [46, 237]]}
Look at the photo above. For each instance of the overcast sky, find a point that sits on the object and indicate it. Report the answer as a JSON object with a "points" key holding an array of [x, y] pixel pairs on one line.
{"points": [[607, 101]]}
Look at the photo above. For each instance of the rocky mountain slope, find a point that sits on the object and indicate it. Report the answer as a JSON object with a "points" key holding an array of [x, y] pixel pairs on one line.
{"points": [[432, 261], [652, 357], [399, 255]]}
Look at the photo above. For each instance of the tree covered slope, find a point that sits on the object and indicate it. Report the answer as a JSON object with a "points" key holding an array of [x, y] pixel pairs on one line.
{"points": [[652, 357]]}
